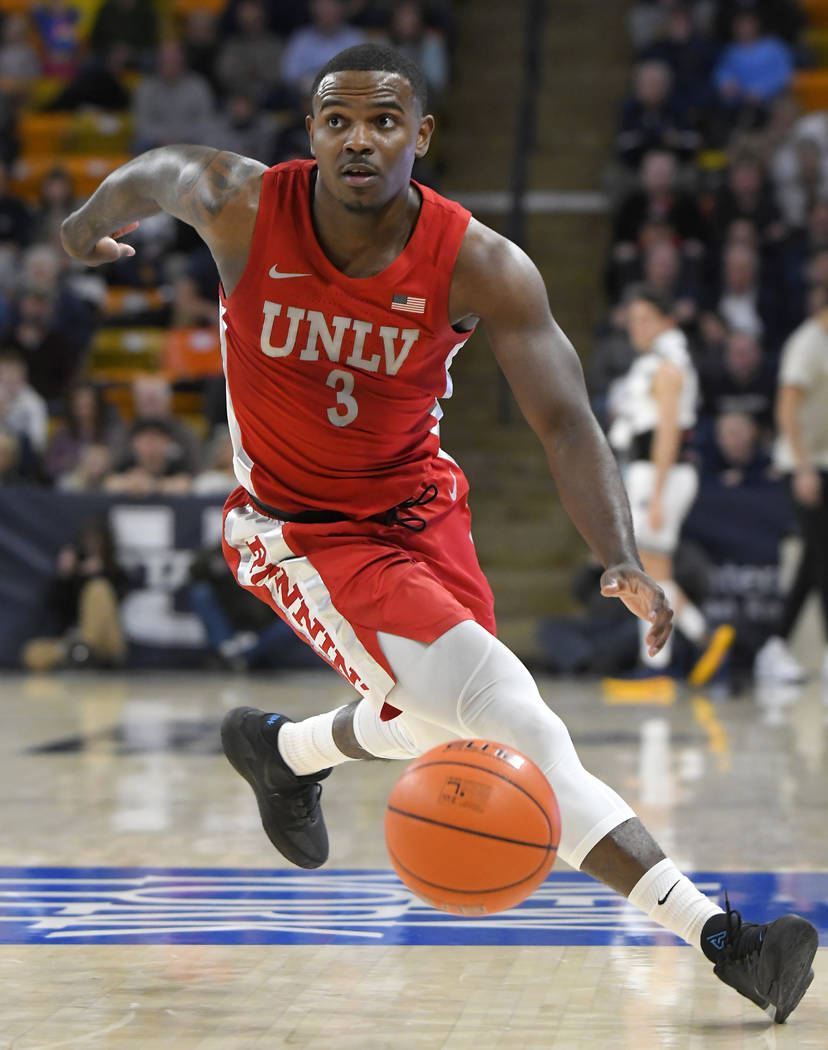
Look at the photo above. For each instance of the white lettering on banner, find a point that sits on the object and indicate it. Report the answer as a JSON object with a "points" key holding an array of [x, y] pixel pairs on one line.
{"points": [[337, 334]]}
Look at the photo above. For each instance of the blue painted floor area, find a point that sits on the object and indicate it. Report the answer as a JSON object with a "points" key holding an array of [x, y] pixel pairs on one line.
{"points": [[230, 906]]}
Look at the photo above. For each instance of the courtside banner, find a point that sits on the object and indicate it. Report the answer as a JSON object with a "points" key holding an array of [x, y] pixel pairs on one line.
{"points": [[155, 542]]}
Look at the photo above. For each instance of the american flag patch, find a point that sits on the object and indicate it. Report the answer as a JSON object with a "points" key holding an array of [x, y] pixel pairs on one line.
{"points": [[408, 304]]}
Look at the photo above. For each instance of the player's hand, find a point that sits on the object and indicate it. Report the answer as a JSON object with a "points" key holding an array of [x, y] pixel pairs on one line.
{"points": [[107, 249], [655, 514], [642, 596]]}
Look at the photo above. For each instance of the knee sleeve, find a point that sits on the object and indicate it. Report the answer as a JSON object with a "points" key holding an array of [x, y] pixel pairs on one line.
{"points": [[404, 737], [469, 683]]}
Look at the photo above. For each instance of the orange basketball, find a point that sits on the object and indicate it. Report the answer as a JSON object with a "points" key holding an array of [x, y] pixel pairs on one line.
{"points": [[472, 827]]}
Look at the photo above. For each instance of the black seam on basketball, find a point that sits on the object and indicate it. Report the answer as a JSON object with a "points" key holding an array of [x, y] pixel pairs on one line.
{"points": [[471, 831], [490, 772], [453, 889]]}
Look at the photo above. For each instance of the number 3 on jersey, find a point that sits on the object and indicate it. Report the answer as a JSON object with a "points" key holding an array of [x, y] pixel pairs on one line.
{"points": [[346, 408]]}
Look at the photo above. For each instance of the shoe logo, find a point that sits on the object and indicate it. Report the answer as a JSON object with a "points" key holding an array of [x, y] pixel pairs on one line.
{"points": [[453, 489], [718, 940], [274, 272], [667, 894]]}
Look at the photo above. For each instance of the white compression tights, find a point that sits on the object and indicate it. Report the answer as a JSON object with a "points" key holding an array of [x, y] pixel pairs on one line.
{"points": [[468, 684]]}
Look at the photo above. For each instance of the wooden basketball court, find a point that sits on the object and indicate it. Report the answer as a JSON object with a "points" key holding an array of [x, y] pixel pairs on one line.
{"points": [[141, 905]]}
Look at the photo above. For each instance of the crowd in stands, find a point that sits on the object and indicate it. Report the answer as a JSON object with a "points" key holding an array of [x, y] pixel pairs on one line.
{"points": [[719, 184], [90, 396]]}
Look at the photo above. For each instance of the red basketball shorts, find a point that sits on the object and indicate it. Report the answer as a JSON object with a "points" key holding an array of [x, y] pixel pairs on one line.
{"points": [[338, 584]]}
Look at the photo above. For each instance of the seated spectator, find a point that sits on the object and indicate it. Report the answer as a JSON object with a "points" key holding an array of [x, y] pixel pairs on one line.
{"points": [[15, 217], [243, 633], [243, 127], [738, 457], [172, 104], [744, 302], [131, 24], [780, 18], [806, 183], [250, 61], [152, 400], [742, 381], [650, 119], [88, 421], [83, 599], [745, 194], [426, 47], [22, 410], [59, 36], [667, 273], [691, 55], [56, 200], [752, 71], [153, 465], [19, 61], [658, 199], [54, 351], [217, 478], [200, 40], [310, 47], [98, 83], [93, 466]]}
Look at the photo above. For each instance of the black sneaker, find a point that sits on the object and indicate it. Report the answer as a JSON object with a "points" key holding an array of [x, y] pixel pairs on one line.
{"points": [[769, 963], [288, 804]]}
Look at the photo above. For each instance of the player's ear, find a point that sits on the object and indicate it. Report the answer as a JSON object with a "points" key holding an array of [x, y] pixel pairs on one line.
{"points": [[426, 130], [309, 126]]}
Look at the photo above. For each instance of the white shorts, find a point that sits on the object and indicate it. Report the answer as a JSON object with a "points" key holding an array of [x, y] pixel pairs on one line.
{"points": [[678, 495]]}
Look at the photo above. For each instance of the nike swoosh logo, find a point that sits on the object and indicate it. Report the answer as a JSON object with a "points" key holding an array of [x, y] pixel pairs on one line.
{"points": [[274, 272], [453, 489], [667, 894]]}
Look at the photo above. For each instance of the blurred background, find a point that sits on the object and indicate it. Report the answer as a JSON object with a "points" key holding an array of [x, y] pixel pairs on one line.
{"points": [[684, 143]]}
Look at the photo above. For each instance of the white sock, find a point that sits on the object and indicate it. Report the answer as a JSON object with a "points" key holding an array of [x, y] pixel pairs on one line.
{"points": [[683, 909], [308, 746]]}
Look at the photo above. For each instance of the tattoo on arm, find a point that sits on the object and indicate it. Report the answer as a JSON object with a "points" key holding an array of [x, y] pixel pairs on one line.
{"points": [[208, 183]]}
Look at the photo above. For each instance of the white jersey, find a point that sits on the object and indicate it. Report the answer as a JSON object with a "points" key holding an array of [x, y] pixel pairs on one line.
{"points": [[632, 403]]}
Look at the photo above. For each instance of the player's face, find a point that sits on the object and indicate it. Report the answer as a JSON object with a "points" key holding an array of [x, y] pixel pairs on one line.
{"points": [[366, 131], [644, 323]]}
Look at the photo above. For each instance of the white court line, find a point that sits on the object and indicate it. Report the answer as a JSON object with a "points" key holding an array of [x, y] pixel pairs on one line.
{"points": [[85, 1036]]}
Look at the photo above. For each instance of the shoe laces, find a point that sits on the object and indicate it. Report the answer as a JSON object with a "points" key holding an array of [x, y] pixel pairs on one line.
{"points": [[743, 939], [302, 803]]}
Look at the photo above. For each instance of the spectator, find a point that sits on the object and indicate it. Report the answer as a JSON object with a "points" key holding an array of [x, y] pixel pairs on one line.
{"points": [[427, 48], [802, 454], [781, 18], [242, 126], [89, 421], [172, 104], [218, 477], [739, 458], [56, 199], [19, 61], [668, 274], [744, 302], [93, 467], [805, 184], [200, 41], [250, 62], [746, 194], [58, 28], [130, 24], [242, 632], [152, 399], [650, 118], [83, 597], [98, 84], [742, 382], [22, 410], [283, 16], [153, 465], [310, 47], [15, 217], [752, 71]]}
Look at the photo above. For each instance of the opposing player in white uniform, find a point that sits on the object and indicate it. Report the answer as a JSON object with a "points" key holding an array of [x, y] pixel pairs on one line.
{"points": [[654, 412]]}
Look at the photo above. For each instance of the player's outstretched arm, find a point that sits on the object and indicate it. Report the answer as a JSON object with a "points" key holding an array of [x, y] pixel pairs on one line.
{"points": [[497, 282], [214, 191]]}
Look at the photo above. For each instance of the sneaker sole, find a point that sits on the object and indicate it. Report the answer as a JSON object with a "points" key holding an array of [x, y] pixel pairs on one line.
{"points": [[786, 958], [242, 756]]}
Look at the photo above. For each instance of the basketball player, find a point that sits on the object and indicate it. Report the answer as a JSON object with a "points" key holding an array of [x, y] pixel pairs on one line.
{"points": [[654, 415], [346, 290]]}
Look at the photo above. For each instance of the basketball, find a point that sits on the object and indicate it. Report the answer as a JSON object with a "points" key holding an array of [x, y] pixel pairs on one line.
{"points": [[472, 827]]}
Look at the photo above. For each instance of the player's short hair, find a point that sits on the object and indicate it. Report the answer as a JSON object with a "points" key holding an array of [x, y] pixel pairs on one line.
{"points": [[646, 293], [376, 58]]}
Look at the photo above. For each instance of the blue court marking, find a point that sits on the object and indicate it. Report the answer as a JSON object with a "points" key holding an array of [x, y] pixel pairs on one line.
{"points": [[246, 906]]}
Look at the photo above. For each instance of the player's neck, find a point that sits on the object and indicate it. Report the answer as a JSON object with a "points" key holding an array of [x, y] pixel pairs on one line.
{"points": [[362, 244]]}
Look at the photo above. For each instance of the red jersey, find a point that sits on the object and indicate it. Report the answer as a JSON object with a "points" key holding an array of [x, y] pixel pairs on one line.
{"points": [[333, 381]]}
